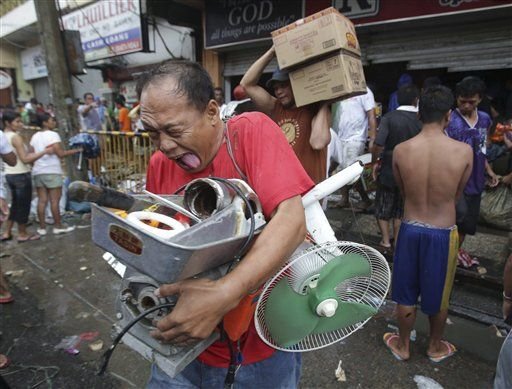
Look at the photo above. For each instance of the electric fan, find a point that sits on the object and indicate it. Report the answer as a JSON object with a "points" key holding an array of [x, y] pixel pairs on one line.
{"points": [[322, 295]]}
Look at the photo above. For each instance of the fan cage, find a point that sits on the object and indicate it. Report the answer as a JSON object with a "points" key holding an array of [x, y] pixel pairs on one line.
{"points": [[305, 267]]}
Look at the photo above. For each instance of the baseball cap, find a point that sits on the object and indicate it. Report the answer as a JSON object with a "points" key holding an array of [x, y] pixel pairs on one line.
{"points": [[278, 75]]}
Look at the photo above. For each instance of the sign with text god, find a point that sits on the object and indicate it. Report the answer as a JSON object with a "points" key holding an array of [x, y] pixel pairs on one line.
{"points": [[231, 22]]}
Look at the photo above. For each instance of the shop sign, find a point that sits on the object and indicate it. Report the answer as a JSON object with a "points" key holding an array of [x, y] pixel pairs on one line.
{"points": [[107, 28], [33, 63], [5, 80], [377, 11], [231, 22]]}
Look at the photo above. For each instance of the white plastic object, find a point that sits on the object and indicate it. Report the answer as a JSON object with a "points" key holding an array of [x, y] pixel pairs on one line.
{"points": [[327, 308], [137, 217]]}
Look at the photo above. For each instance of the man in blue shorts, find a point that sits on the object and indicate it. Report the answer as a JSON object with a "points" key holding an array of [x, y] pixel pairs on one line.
{"points": [[431, 171]]}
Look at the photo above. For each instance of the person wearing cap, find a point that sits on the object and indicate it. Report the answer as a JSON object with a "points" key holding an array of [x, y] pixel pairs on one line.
{"points": [[306, 128]]}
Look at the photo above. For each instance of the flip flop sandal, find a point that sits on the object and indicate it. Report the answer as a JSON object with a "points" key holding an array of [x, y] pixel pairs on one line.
{"points": [[4, 361], [5, 238], [388, 336], [451, 350], [6, 298], [29, 238]]}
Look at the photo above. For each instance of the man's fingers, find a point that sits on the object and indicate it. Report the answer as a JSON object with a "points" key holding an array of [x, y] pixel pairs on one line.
{"points": [[167, 290]]}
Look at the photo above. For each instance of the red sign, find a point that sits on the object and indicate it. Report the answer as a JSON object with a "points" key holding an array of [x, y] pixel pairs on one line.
{"points": [[374, 11]]}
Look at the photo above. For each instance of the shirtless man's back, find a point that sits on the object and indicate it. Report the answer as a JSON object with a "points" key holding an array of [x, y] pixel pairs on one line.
{"points": [[431, 170]]}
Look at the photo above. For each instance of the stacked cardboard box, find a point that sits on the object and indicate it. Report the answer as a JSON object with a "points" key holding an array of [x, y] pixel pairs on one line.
{"points": [[323, 56]]}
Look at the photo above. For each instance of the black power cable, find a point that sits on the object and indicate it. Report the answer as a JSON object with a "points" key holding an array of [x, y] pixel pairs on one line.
{"points": [[105, 358]]}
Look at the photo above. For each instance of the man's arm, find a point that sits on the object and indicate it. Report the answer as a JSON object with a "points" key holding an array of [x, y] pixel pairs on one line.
{"points": [[202, 303], [467, 155], [263, 100], [320, 125], [491, 174], [372, 126]]}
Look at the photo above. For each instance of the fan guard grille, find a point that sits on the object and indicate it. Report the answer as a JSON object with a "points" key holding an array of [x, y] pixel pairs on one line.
{"points": [[305, 267]]}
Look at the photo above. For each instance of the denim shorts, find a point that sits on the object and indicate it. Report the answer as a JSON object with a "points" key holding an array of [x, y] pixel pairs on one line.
{"points": [[50, 181], [21, 192], [280, 371]]}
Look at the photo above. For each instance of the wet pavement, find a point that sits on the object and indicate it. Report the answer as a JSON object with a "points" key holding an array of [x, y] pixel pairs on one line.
{"points": [[63, 287]]}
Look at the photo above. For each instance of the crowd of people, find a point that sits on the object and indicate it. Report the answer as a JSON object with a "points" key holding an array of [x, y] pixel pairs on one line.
{"points": [[430, 164]]}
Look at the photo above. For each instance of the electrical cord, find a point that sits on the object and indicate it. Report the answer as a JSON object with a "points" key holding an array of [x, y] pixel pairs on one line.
{"points": [[105, 358]]}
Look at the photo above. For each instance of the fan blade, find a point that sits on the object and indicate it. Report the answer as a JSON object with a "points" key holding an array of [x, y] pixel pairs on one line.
{"points": [[288, 316], [348, 313], [340, 269]]}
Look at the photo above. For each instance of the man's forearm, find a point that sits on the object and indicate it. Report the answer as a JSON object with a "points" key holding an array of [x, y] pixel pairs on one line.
{"points": [[320, 128], [278, 240], [252, 76]]}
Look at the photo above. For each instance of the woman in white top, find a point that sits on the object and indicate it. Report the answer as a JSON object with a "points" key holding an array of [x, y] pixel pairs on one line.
{"points": [[47, 172], [18, 178]]}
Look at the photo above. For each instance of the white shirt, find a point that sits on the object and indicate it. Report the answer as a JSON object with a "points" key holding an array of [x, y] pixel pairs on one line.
{"points": [[49, 163], [352, 117], [5, 148]]}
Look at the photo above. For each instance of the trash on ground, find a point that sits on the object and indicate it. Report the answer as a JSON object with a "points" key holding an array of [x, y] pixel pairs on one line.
{"points": [[340, 373], [83, 268], [96, 345], [82, 315], [89, 336], [14, 273], [426, 382], [481, 270], [412, 336], [448, 321], [69, 344]]}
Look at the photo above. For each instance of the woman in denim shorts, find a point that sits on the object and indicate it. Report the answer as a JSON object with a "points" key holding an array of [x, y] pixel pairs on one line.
{"points": [[47, 173], [18, 178]]}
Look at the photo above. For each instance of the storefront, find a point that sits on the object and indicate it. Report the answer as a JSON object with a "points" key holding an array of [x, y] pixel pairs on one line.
{"points": [[446, 38]]}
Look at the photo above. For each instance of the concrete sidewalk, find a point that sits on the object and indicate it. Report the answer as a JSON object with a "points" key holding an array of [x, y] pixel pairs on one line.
{"points": [[63, 287]]}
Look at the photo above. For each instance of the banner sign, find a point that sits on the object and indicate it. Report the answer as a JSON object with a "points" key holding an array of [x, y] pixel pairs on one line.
{"points": [[107, 28], [231, 22], [33, 63]]}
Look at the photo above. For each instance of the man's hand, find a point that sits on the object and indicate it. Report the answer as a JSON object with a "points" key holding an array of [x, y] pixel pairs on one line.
{"points": [[200, 307], [507, 180], [375, 171], [493, 180]]}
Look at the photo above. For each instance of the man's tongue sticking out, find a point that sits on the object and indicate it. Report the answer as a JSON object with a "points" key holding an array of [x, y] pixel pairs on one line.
{"points": [[189, 161]]}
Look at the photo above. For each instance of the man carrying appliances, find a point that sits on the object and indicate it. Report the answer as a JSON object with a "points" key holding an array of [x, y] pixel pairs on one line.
{"points": [[180, 114], [306, 128]]}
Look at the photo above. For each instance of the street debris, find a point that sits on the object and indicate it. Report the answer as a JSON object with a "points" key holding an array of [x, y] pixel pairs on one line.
{"points": [[82, 315], [448, 321], [481, 270], [14, 273], [96, 345], [83, 268], [426, 383], [340, 373], [69, 344]]}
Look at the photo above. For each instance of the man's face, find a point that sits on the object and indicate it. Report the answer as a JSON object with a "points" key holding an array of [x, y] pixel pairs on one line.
{"points": [[185, 135], [468, 104], [283, 92], [89, 99], [52, 123], [219, 97]]}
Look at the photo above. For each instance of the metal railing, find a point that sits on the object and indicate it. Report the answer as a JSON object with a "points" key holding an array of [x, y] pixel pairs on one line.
{"points": [[124, 157]]}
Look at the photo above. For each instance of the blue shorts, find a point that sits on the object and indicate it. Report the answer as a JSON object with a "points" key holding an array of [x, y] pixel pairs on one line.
{"points": [[281, 370], [424, 265]]}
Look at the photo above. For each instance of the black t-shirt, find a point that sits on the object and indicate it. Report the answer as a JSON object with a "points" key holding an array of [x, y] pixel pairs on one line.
{"points": [[395, 127]]}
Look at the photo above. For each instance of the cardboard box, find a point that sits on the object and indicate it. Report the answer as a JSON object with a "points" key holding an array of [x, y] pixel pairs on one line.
{"points": [[336, 76], [314, 36]]}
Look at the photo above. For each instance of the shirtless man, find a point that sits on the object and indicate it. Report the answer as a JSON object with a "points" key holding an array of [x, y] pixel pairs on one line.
{"points": [[431, 170]]}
